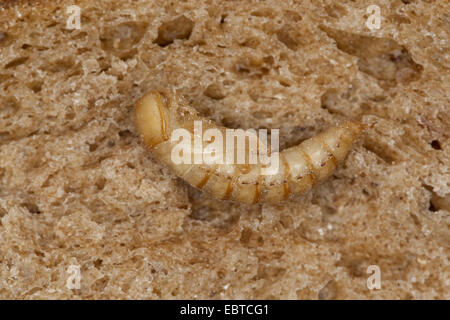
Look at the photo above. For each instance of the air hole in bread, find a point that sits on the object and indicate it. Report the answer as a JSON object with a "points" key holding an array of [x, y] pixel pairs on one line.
{"points": [[79, 36], [250, 66], [52, 24], [70, 115], [286, 221], [100, 183], [262, 114], [125, 134], [269, 60], [250, 42], [330, 101], [60, 65], [284, 83], [432, 207], [93, 147], [381, 58], [380, 152], [100, 284], [122, 39], [2, 213], [329, 210], [214, 91], [5, 39], [284, 35], [230, 123], [169, 31], [439, 203], [4, 77], [335, 10], [435, 144], [399, 18], [263, 12], [31, 207], [16, 62], [98, 263], [246, 234], [329, 291], [292, 16], [157, 292], [223, 17], [3, 36], [202, 213], [269, 272], [35, 85], [8, 108]]}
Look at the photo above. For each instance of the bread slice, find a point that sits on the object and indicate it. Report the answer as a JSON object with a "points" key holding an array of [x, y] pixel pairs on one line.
{"points": [[78, 190]]}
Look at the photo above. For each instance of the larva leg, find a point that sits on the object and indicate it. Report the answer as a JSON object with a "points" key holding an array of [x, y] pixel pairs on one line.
{"points": [[221, 182], [247, 188], [301, 177], [276, 187], [300, 167]]}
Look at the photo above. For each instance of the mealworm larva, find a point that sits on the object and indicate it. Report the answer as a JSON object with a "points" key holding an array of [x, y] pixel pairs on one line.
{"points": [[158, 114]]}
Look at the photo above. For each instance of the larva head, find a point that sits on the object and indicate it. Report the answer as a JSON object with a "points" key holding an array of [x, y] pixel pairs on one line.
{"points": [[150, 118]]}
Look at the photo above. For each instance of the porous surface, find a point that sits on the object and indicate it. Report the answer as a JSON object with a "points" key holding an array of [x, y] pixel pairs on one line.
{"points": [[78, 188]]}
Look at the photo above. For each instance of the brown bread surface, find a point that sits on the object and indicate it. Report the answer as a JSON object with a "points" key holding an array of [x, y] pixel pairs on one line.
{"points": [[78, 188]]}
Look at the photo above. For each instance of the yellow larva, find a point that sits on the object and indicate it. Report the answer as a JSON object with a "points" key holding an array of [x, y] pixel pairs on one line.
{"points": [[301, 167]]}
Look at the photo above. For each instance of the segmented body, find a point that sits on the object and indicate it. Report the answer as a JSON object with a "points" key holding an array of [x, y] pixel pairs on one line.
{"points": [[300, 167]]}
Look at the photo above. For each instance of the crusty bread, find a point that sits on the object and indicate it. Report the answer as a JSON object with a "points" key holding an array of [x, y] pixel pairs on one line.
{"points": [[77, 187]]}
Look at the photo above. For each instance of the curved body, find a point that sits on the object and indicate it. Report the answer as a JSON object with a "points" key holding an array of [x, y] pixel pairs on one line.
{"points": [[300, 167]]}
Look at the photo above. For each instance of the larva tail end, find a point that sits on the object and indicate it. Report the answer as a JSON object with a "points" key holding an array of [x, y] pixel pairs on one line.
{"points": [[356, 128]]}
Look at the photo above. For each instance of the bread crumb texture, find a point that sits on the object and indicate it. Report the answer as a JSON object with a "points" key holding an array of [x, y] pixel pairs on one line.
{"points": [[77, 187]]}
